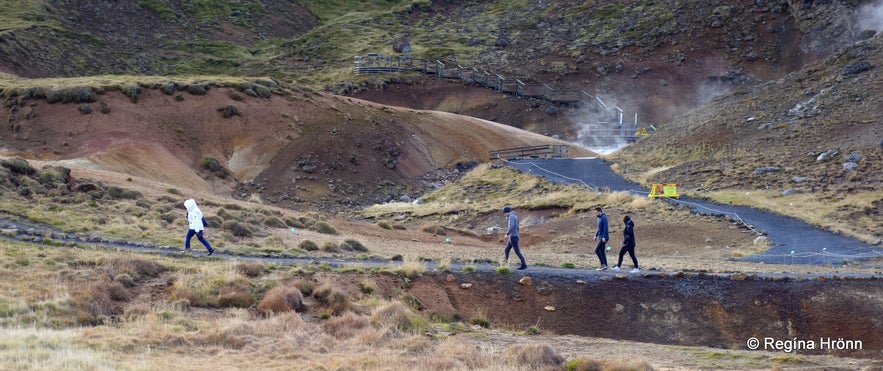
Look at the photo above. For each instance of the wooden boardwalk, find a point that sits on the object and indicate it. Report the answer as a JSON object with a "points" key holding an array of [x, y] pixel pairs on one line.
{"points": [[373, 64]]}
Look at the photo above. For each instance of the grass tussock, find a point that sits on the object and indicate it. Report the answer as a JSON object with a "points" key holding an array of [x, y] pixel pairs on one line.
{"points": [[333, 299], [411, 268], [347, 326], [589, 364], [534, 356], [281, 299], [214, 286], [397, 315]]}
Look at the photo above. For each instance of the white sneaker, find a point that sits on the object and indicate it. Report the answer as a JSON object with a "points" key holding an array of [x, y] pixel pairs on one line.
{"points": [[616, 268], [636, 270]]}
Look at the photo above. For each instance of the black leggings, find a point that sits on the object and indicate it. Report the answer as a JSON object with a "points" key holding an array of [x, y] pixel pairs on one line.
{"points": [[631, 251]]}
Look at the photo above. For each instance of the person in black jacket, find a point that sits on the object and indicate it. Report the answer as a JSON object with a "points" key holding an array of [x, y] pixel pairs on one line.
{"points": [[628, 244]]}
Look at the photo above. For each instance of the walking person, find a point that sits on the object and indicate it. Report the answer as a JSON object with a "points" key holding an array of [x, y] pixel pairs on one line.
{"points": [[628, 244], [512, 237], [197, 225], [602, 236]]}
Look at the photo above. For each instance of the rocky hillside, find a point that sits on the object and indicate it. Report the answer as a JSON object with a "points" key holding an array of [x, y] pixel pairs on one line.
{"points": [[655, 59], [813, 138], [294, 148], [81, 38]]}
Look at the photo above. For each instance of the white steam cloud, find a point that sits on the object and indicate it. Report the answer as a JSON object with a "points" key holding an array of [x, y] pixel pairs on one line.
{"points": [[870, 16], [603, 126]]}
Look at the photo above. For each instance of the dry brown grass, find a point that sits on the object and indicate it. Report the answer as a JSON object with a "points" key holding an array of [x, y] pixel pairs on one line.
{"points": [[281, 299], [397, 315], [851, 214], [332, 298], [214, 286]]}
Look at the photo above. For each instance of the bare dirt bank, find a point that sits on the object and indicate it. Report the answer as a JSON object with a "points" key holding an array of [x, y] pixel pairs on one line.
{"points": [[682, 309]]}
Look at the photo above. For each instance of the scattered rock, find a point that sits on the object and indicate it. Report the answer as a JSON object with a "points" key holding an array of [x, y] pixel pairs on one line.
{"points": [[857, 68], [799, 179], [450, 278], [850, 166], [544, 288], [526, 281], [739, 276], [619, 308], [549, 308], [866, 34], [788, 192], [751, 57], [766, 169], [402, 45], [853, 157], [827, 155], [466, 285]]}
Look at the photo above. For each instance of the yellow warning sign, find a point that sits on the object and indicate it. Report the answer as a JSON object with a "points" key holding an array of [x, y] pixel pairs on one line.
{"points": [[669, 190], [642, 132]]}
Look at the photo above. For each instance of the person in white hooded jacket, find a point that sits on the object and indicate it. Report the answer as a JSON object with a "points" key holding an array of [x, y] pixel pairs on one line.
{"points": [[194, 218]]}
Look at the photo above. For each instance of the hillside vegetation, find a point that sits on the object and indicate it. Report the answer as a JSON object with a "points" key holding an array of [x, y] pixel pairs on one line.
{"points": [[808, 145], [339, 220]]}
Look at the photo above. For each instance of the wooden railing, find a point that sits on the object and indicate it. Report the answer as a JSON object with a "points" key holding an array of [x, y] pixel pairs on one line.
{"points": [[546, 151], [373, 63]]}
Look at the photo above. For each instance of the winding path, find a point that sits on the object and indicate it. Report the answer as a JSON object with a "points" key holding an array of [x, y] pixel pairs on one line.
{"points": [[795, 241]]}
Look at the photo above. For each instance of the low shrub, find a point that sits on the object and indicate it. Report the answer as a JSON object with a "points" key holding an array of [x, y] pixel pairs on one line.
{"points": [[236, 228], [304, 286], [324, 228], [251, 269], [330, 246], [353, 245], [122, 193], [308, 245], [332, 298], [274, 222]]}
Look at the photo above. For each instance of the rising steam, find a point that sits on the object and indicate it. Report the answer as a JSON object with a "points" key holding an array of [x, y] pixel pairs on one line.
{"points": [[870, 16]]}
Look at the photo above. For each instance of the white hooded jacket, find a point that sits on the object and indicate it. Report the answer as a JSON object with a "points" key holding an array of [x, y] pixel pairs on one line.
{"points": [[194, 215]]}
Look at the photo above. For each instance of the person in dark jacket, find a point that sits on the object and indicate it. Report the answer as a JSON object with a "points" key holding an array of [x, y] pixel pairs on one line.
{"points": [[196, 223], [602, 236], [628, 244], [512, 236]]}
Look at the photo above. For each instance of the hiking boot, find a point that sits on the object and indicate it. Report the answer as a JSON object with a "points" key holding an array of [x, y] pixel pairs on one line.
{"points": [[522, 267], [636, 270], [616, 268], [210, 252], [602, 268]]}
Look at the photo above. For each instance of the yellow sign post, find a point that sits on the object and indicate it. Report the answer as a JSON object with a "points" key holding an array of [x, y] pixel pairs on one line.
{"points": [[642, 132], [668, 190]]}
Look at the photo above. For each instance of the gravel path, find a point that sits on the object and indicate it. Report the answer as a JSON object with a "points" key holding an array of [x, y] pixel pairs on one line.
{"points": [[794, 241]]}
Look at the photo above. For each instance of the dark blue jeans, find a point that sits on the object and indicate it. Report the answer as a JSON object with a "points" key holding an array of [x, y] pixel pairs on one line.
{"points": [[513, 243], [190, 234], [601, 251]]}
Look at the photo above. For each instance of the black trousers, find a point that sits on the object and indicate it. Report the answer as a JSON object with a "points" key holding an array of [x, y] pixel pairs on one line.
{"points": [[631, 251]]}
